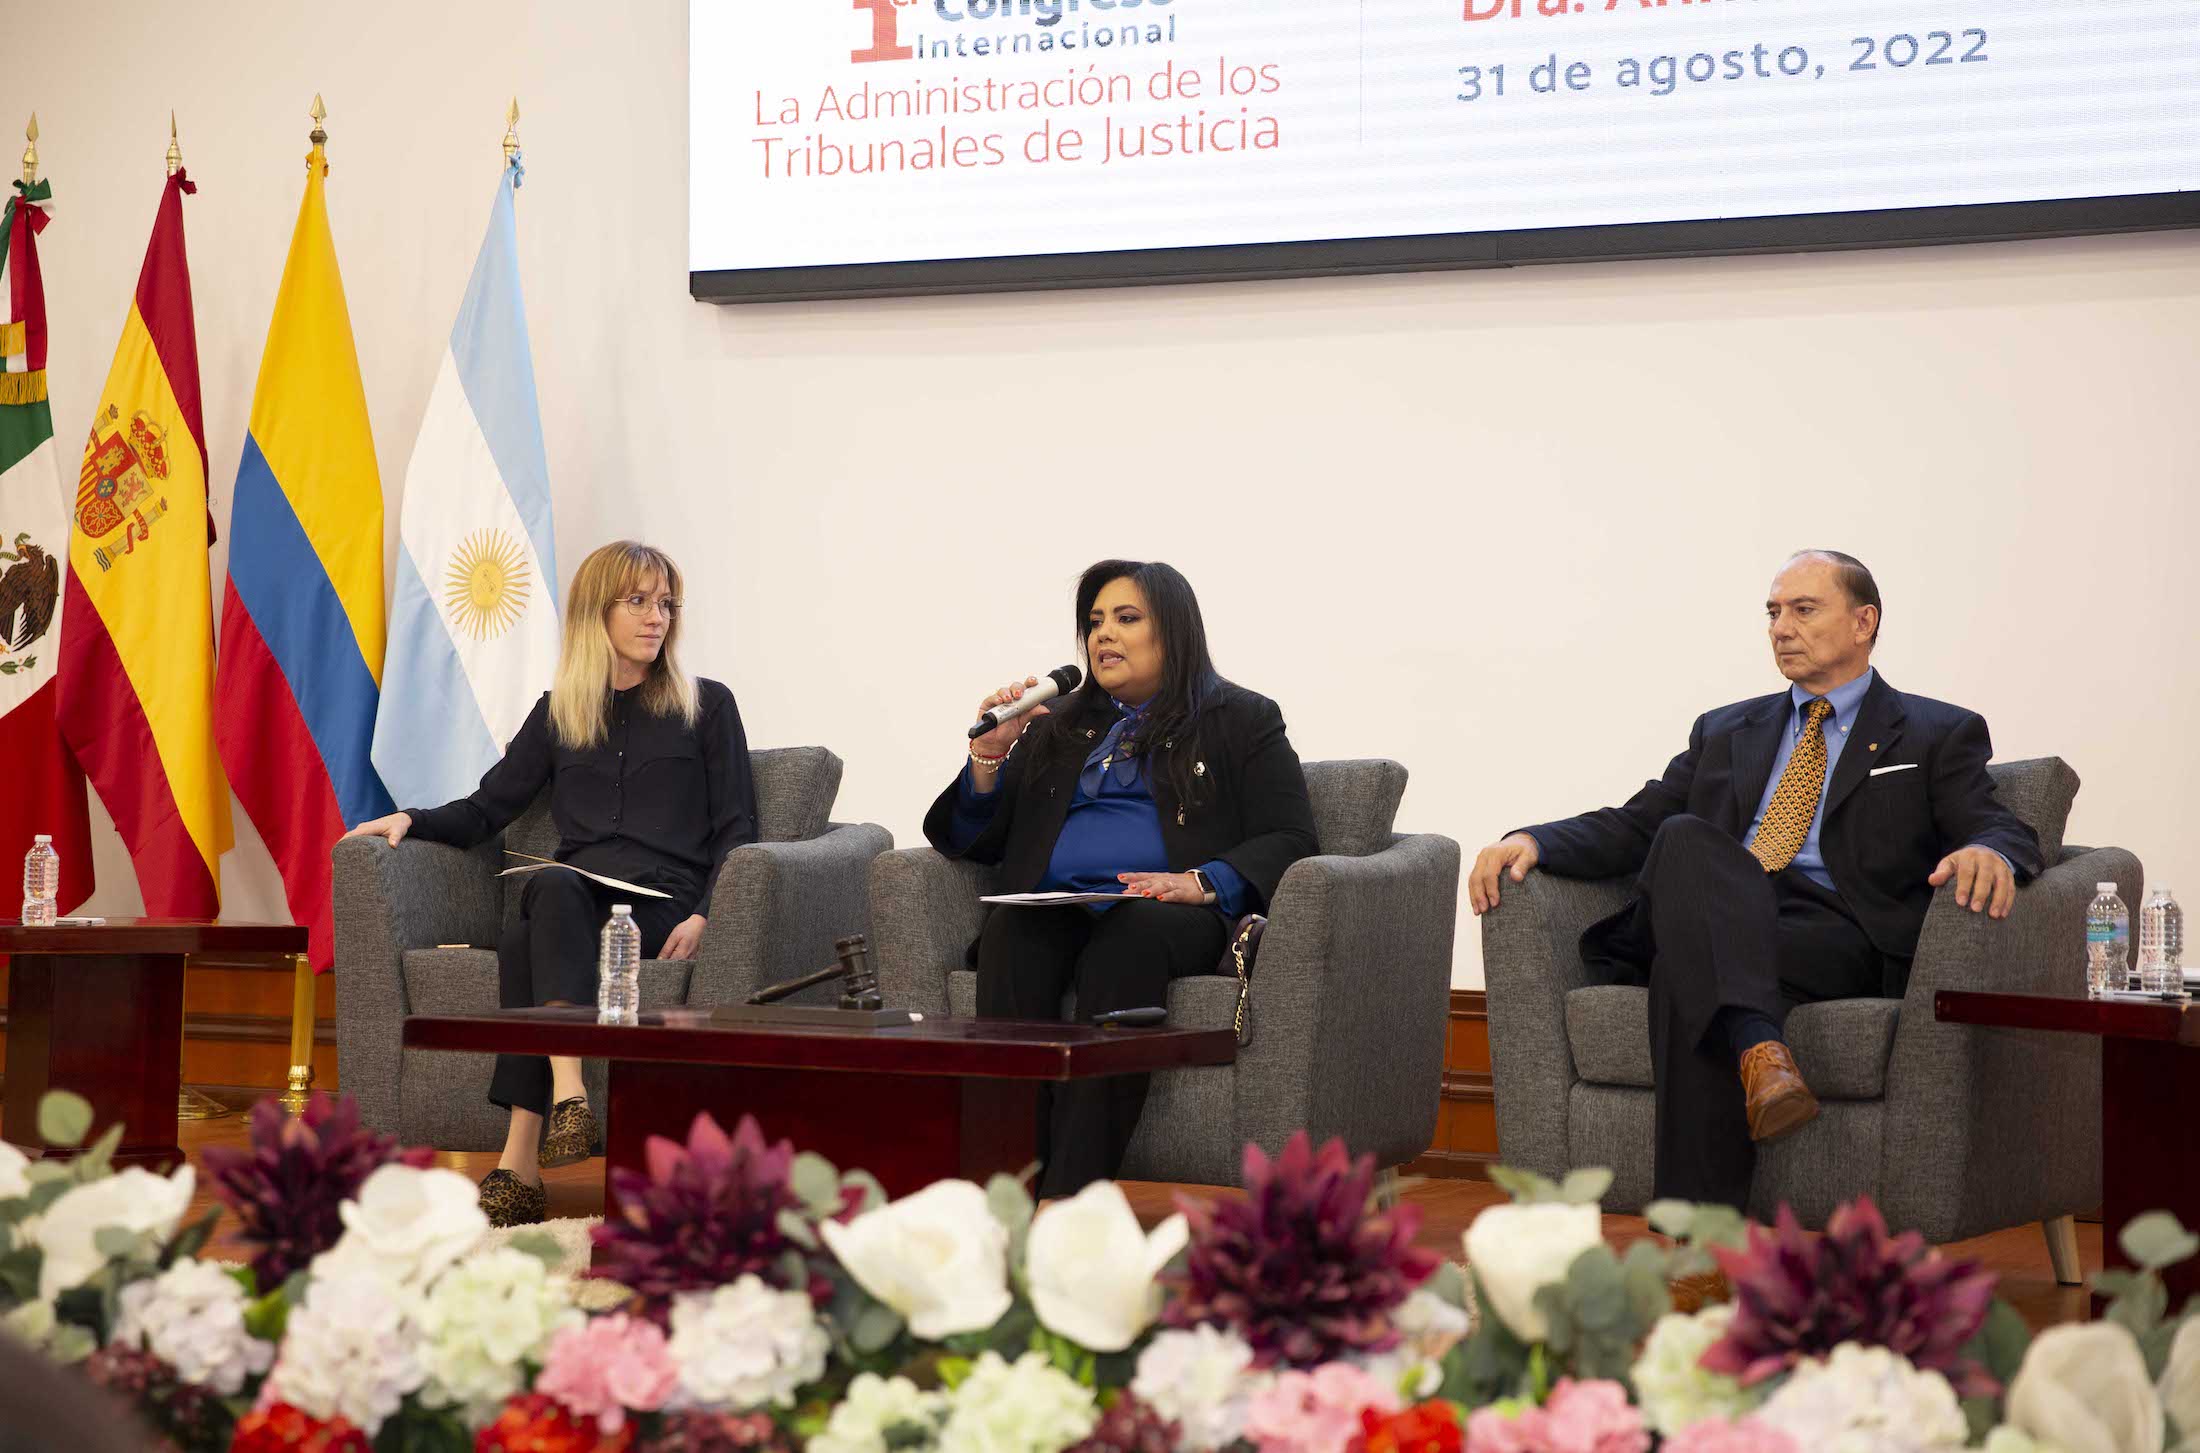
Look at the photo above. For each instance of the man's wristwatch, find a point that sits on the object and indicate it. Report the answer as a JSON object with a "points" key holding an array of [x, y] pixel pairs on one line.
{"points": [[1206, 889]]}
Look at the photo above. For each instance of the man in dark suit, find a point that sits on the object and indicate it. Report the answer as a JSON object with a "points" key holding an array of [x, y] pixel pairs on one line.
{"points": [[1786, 857]]}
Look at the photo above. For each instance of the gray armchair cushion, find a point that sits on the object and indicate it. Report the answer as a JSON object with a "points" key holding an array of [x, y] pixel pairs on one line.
{"points": [[1354, 804], [795, 788], [2039, 790], [1841, 1047]]}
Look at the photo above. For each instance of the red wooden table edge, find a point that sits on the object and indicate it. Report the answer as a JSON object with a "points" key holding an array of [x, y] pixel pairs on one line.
{"points": [[2067, 1014], [123, 936], [883, 1051]]}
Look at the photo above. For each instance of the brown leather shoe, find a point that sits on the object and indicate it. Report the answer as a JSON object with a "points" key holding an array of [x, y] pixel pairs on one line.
{"points": [[1773, 1089], [509, 1201]]}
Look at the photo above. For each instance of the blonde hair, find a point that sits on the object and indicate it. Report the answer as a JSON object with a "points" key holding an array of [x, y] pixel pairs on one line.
{"points": [[580, 697]]}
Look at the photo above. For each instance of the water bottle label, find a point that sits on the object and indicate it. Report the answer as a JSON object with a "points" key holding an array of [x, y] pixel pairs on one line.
{"points": [[2103, 933]]}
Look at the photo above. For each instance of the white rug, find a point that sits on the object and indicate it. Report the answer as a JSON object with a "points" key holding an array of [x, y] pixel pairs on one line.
{"points": [[570, 1234]]}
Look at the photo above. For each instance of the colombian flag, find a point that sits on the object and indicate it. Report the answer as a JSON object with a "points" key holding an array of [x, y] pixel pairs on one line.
{"points": [[137, 638], [302, 621]]}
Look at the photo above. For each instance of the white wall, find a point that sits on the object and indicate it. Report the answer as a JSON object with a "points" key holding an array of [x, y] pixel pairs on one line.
{"points": [[1510, 528]]}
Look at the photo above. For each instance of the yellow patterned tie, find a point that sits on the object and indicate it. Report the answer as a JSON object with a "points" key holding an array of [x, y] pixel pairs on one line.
{"points": [[1787, 821]]}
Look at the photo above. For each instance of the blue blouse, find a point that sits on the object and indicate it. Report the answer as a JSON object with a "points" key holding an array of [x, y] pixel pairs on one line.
{"points": [[1113, 826]]}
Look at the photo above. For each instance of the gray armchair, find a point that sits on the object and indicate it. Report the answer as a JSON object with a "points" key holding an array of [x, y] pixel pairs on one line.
{"points": [[1954, 1131], [778, 905], [1350, 990]]}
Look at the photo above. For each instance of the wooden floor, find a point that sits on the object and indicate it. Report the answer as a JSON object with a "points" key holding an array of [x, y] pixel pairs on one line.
{"points": [[1447, 1208]]}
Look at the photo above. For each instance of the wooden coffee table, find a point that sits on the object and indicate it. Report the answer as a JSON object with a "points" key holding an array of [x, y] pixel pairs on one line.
{"points": [[942, 1098], [98, 1009], [2150, 1080]]}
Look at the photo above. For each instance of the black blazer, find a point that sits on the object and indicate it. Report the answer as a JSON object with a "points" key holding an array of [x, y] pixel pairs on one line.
{"points": [[1882, 835], [1255, 816]]}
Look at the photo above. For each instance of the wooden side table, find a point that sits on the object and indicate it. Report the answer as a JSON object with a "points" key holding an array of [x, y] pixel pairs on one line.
{"points": [[98, 1009]]}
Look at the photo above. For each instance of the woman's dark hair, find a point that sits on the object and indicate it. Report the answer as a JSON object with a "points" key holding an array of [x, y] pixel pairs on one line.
{"points": [[1188, 675]]}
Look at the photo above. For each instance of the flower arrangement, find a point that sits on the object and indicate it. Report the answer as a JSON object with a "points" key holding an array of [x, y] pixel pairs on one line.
{"points": [[772, 1302]]}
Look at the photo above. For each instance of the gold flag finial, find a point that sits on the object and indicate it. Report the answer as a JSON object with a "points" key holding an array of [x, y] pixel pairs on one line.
{"points": [[317, 135], [30, 152], [175, 152], [511, 131]]}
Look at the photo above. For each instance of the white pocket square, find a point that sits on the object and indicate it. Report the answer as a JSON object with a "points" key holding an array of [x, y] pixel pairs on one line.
{"points": [[1900, 767]]}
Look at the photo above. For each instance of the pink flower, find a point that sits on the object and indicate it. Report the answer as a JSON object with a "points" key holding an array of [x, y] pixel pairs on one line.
{"points": [[608, 1367], [1315, 1412], [1713, 1435], [1580, 1417]]}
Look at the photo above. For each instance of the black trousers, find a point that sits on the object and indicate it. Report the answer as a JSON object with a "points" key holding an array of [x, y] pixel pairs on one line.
{"points": [[1717, 931], [549, 957], [1119, 958]]}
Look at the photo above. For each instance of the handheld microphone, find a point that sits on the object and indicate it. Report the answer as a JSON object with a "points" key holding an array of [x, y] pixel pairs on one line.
{"points": [[1060, 681]]}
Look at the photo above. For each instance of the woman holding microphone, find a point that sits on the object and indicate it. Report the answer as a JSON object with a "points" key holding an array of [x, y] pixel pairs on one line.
{"points": [[1156, 779], [648, 771]]}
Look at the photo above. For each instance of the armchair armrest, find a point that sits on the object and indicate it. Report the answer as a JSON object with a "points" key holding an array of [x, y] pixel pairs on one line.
{"points": [[1350, 1000], [778, 907], [1992, 1128], [925, 914], [1531, 960], [388, 900]]}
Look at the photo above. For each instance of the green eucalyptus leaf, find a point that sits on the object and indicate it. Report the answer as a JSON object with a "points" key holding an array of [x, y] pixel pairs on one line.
{"points": [[875, 1328], [796, 1228], [2139, 1310], [1585, 1187], [1649, 1293], [243, 1277], [1524, 1186], [1718, 1226], [794, 1271], [1670, 1218], [817, 1181], [64, 1118], [68, 1344], [2000, 1342], [2157, 1239], [188, 1242], [121, 1242], [19, 1273], [541, 1246], [1448, 1284], [874, 1194], [1981, 1416], [98, 1163], [1597, 1289], [2113, 1283]]}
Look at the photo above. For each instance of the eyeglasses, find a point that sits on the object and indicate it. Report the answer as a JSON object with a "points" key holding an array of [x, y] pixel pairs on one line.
{"points": [[640, 606]]}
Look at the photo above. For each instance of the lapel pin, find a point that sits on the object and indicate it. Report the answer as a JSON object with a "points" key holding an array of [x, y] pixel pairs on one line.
{"points": [[1873, 747]]}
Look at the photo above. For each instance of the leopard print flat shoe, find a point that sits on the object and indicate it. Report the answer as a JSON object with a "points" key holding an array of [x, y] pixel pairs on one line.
{"points": [[509, 1201], [571, 1136]]}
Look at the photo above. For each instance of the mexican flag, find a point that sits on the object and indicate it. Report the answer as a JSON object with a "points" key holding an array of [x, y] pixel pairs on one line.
{"points": [[41, 787]]}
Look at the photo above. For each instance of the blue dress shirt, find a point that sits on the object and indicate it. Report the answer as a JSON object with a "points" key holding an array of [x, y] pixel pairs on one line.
{"points": [[1113, 827], [1846, 699]]}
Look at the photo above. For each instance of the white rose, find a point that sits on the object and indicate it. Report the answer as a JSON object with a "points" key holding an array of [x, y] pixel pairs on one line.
{"points": [[407, 1226], [14, 1179], [135, 1200], [1092, 1269], [939, 1258], [2084, 1386], [2180, 1384], [1516, 1251]]}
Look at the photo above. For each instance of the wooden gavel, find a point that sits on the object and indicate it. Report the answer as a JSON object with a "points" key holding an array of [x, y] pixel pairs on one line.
{"points": [[859, 989]]}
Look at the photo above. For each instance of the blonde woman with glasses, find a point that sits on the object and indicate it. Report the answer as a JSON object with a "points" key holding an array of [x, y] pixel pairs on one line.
{"points": [[648, 774]]}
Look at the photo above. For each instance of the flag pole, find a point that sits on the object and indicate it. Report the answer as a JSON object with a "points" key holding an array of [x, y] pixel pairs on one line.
{"points": [[30, 152], [175, 152], [301, 1035]]}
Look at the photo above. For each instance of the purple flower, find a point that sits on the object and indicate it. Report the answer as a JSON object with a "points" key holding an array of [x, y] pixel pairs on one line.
{"points": [[286, 1184], [706, 1213], [1298, 1268], [1796, 1298]]}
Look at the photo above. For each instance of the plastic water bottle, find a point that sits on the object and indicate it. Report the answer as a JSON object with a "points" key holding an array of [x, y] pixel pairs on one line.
{"points": [[619, 968], [41, 882], [2107, 941], [2162, 945]]}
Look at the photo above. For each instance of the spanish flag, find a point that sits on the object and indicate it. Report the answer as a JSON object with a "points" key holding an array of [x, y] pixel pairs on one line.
{"points": [[137, 638], [302, 617]]}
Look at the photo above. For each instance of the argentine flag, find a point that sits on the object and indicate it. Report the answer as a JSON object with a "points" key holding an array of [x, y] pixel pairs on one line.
{"points": [[474, 623]]}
